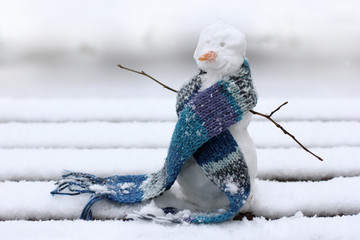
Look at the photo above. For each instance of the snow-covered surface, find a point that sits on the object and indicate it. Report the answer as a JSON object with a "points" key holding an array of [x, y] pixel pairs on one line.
{"points": [[158, 134], [274, 163], [39, 140], [118, 110], [296, 227], [271, 200]]}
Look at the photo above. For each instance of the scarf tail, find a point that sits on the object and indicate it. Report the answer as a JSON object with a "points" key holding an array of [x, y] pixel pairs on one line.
{"points": [[225, 165], [128, 189]]}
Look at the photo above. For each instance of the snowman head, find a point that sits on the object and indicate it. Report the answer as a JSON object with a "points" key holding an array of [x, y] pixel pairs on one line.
{"points": [[221, 48]]}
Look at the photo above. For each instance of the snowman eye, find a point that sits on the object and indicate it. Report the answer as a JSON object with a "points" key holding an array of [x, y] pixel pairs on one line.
{"points": [[222, 44]]}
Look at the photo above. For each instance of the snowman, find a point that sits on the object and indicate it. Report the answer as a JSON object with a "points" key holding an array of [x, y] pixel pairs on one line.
{"points": [[211, 154], [220, 52]]}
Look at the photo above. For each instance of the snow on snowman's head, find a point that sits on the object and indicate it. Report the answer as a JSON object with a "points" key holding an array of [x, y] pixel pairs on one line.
{"points": [[221, 48]]}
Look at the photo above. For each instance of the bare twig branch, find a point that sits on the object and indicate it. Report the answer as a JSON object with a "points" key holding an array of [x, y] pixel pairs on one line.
{"points": [[267, 116], [283, 129], [147, 75], [278, 108]]}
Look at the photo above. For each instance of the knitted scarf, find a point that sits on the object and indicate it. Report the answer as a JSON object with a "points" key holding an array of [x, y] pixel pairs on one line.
{"points": [[201, 131]]}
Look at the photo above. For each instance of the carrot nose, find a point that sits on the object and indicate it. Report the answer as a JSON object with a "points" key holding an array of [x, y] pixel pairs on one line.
{"points": [[208, 56]]}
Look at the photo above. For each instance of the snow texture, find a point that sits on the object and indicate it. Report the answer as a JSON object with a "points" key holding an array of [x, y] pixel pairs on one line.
{"points": [[295, 228], [271, 199], [120, 110], [141, 134], [106, 145], [48, 164]]}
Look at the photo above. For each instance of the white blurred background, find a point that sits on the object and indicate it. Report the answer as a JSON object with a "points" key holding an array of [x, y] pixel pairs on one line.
{"points": [[69, 49]]}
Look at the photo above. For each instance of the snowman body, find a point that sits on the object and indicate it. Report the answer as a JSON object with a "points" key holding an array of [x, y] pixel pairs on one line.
{"points": [[220, 51]]}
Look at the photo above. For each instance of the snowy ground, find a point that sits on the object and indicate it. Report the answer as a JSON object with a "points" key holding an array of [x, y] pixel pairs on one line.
{"points": [[303, 197], [296, 227]]}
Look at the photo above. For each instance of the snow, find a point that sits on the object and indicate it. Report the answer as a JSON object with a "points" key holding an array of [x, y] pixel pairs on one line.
{"points": [[126, 187], [151, 208], [141, 134], [120, 110], [99, 188], [87, 110], [295, 228], [79, 137], [33, 164], [231, 187], [294, 163], [324, 198], [281, 163], [227, 47], [315, 134]]}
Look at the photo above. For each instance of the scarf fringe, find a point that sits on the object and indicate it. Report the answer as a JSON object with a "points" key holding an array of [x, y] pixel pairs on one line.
{"points": [[86, 213], [76, 183]]}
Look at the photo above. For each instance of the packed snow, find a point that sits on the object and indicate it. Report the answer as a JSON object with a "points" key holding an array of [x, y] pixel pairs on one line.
{"points": [[120, 110], [282, 163], [141, 134], [296, 228], [27, 155]]}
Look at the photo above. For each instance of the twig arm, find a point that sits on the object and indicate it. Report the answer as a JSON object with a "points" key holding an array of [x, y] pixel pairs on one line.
{"points": [[278, 108], [147, 75], [283, 129]]}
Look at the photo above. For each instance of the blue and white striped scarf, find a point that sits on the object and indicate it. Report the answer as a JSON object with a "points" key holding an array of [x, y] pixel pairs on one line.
{"points": [[201, 131]]}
